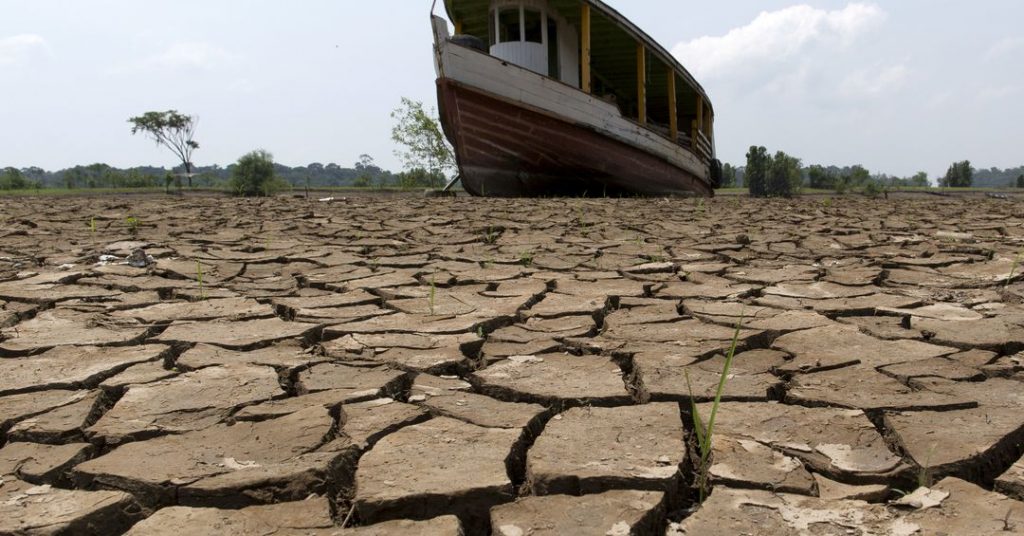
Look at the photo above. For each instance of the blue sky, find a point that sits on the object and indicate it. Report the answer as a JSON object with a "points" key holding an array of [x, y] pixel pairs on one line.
{"points": [[898, 86]]}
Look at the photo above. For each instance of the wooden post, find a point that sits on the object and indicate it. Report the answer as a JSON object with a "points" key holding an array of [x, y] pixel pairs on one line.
{"points": [[585, 48], [641, 83], [700, 113], [458, 27], [673, 110]]}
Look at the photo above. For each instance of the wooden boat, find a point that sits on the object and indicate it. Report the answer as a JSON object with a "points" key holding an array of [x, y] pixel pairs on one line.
{"points": [[567, 97]]}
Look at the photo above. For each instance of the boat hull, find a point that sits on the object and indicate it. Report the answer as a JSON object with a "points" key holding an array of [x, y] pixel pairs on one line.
{"points": [[508, 149]]}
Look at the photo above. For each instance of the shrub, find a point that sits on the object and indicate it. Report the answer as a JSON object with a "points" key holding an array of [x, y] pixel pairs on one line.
{"points": [[253, 176]]}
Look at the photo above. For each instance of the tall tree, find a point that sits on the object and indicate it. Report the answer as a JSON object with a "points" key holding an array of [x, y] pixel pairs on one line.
{"points": [[420, 133], [820, 177], [756, 176], [959, 175], [172, 130], [1020, 181], [784, 177], [728, 176]]}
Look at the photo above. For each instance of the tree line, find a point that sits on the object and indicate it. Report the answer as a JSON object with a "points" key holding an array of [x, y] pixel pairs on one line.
{"points": [[782, 175]]}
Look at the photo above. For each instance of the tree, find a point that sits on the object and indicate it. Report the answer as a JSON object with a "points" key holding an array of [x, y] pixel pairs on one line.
{"points": [[784, 177], [756, 177], [728, 176], [366, 171], [420, 133], [920, 179], [1020, 181], [12, 179], [172, 130], [253, 175], [821, 178], [959, 175]]}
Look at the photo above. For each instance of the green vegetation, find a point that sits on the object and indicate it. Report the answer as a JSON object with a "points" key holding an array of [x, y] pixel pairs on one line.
{"points": [[254, 175], [959, 175], [778, 176], [172, 130], [199, 278], [425, 147], [13, 179], [1020, 181], [133, 225], [728, 176], [705, 434]]}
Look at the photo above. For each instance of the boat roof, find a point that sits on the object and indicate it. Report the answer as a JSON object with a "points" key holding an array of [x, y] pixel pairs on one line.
{"points": [[474, 13]]}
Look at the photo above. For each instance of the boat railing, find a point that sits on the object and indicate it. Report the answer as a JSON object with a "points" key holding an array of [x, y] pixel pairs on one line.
{"points": [[702, 146]]}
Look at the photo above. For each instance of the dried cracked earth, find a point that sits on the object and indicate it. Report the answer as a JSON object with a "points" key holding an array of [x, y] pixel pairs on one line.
{"points": [[460, 366]]}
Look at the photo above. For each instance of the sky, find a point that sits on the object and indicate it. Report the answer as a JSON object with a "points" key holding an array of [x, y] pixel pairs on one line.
{"points": [[898, 86]]}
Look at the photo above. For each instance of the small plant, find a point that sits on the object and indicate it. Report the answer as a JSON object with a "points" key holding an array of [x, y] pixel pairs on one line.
{"points": [[433, 292], [1013, 268], [526, 258], [924, 476], [827, 202], [133, 225], [492, 235], [92, 226], [199, 278], [700, 207], [704, 435]]}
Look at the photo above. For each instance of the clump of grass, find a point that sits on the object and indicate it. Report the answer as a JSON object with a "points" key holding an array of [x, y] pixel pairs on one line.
{"points": [[700, 207], [526, 258], [92, 226], [491, 237], [133, 225], [705, 434]]}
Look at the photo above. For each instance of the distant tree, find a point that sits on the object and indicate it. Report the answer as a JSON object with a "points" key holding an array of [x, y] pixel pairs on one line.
{"points": [[920, 179], [253, 176], [728, 176], [366, 172], [1020, 181], [784, 177], [12, 179], [172, 130], [821, 178], [959, 175], [425, 145], [756, 176]]}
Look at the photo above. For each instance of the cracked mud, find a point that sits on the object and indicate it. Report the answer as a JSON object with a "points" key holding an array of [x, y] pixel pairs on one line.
{"points": [[458, 366]]}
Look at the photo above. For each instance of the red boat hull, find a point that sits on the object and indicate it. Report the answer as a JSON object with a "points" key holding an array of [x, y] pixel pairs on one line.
{"points": [[505, 149]]}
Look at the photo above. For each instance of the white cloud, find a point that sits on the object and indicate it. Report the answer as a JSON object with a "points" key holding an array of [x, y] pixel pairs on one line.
{"points": [[874, 81], [18, 48], [1005, 47], [775, 37], [199, 56]]}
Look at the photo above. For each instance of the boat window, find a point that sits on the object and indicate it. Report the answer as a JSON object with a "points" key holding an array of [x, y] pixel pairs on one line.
{"points": [[508, 25], [532, 24], [554, 69]]}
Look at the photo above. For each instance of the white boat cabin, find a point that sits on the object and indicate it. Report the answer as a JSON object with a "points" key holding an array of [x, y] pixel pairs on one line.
{"points": [[531, 34]]}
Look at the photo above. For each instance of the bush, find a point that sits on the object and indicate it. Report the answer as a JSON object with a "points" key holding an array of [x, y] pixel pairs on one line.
{"points": [[872, 189], [253, 175]]}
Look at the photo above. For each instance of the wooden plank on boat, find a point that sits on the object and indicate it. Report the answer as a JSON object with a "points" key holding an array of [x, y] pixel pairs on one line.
{"points": [[641, 83]]}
